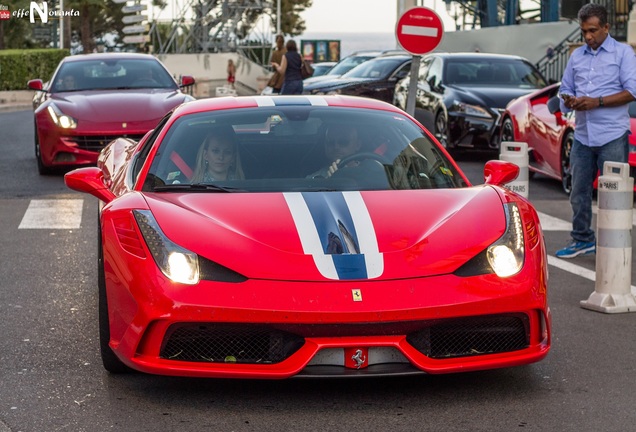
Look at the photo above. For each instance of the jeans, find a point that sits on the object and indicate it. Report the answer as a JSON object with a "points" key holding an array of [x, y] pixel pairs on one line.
{"points": [[292, 87], [585, 163]]}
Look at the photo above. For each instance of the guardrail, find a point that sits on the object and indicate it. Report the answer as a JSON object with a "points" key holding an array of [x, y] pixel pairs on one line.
{"points": [[553, 64]]}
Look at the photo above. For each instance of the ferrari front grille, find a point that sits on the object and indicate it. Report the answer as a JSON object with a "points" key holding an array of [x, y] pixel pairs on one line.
{"points": [[226, 343], [472, 336], [268, 344], [97, 142]]}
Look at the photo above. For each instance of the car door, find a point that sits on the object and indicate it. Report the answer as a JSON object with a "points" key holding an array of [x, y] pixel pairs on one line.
{"points": [[384, 90], [427, 98], [545, 132]]}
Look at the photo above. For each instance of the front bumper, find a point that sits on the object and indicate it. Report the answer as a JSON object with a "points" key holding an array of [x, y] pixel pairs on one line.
{"points": [[466, 131], [273, 330], [81, 146]]}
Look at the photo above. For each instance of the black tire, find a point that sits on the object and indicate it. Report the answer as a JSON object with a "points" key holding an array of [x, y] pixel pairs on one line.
{"points": [[441, 129], [507, 130], [42, 169], [111, 362], [566, 169]]}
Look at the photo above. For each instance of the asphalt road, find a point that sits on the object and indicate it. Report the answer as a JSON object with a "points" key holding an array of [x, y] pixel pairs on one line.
{"points": [[51, 378]]}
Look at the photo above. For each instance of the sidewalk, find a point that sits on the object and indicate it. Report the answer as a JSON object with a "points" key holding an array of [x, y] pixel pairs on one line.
{"points": [[16, 100]]}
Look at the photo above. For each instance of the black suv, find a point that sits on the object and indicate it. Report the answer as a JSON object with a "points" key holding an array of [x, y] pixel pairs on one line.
{"points": [[461, 96]]}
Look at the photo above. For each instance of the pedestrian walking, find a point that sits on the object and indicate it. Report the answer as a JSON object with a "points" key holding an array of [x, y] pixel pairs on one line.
{"points": [[276, 81], [290, 66]]}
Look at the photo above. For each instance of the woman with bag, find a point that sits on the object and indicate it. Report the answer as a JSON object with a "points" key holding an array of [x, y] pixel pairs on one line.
{"points": [[290, 66], [276, 81]]}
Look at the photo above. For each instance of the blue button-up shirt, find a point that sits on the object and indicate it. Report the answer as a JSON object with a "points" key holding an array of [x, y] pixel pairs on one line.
{"points": [[610, 70]]}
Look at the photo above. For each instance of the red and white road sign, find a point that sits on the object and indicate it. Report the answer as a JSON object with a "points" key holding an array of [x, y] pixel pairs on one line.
{"points": [[419, 30]]}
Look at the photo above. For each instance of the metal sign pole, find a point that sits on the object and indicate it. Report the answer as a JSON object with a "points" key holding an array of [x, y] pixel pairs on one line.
{"points": [[410, 100]]}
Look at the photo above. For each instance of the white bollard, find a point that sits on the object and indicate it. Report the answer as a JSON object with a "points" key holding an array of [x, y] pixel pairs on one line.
{"points": [[517, 153], [612, 292]]}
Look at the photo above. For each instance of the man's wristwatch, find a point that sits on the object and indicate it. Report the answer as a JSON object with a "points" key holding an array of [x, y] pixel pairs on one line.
{"points": [[600, 101]]}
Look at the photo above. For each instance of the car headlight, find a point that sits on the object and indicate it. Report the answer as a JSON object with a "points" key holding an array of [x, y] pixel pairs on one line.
{"points": [[177, 263], [60, 119], [471, 110], [504, 257]]}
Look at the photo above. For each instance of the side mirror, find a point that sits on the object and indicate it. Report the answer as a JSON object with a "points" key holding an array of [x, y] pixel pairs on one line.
{"points": [[89, 180], [554, 104], [186, 80], [36, 84], [498, 172]]}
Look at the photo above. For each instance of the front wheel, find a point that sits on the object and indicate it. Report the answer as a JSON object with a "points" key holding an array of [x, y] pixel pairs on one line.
{"points": [[507, 130], [110, 361], [441, 129], [566, 168], [42, 169]]}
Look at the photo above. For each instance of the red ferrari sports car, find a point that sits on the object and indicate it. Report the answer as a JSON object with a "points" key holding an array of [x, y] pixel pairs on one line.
{"points": [[231, 245], [95, 98], [536, 119]]}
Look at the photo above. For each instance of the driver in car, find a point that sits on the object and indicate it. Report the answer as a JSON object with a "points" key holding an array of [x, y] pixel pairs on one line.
{"points": [[340, 141]]}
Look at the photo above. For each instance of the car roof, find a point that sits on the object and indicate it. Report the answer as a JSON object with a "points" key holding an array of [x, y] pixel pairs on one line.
{"points": [[475, 55], [255, 101], [401, 56], [108, 56]]}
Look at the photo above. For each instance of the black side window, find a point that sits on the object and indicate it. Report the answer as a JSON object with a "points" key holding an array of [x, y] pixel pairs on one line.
{"points": [[143, 153]]}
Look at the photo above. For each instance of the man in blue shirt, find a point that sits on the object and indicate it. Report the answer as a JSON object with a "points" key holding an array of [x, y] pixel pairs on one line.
{"points": [[598, 83]]}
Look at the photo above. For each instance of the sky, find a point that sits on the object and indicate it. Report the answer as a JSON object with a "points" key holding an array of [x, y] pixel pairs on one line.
{"points": [[378, 16]]}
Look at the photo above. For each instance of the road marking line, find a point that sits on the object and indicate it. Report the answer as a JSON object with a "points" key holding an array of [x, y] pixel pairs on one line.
{"points": [[550, 223], [577, 270], [53, 214]]}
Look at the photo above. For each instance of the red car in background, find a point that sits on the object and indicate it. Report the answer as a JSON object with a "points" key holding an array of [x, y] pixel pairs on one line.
{"points": [[537, 120], [93, 99]]}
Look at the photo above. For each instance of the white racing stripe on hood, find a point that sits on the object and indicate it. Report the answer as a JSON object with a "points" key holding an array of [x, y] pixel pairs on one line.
{"points": [[328, 265], [309, 235]]}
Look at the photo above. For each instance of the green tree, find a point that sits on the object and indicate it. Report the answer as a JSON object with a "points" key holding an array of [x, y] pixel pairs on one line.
{"points": [[96, 18], [291, 23], [15, 32]]}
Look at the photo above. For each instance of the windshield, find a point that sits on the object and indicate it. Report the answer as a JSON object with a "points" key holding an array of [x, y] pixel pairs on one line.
{"points": [[345, 65], [293, 148], [377, 68], [632, 109], [493, 72], [112, 74]]}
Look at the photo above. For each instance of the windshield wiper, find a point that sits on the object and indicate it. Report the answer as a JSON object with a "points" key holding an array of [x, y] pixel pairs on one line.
{"points": [[197, 187]]}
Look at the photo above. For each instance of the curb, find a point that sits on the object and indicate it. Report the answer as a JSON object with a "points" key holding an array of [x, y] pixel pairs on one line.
{"points": [[16, 100]]}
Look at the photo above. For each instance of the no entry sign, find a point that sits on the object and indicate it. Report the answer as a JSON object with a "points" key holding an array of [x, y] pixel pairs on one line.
{"points": [[419, 30]]}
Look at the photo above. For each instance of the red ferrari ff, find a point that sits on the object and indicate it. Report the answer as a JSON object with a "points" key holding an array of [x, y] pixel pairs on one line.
{"points": [[536, 119], [95, 98], [232, 245]]}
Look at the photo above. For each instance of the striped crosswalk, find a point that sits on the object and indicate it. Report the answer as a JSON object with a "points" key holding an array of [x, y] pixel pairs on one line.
{"points": [[53, 214]]}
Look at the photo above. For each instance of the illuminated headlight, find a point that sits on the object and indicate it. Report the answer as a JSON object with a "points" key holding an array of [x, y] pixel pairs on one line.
{"points": [[471, 110], [506, 255], [60, 119], [177, 263]]}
